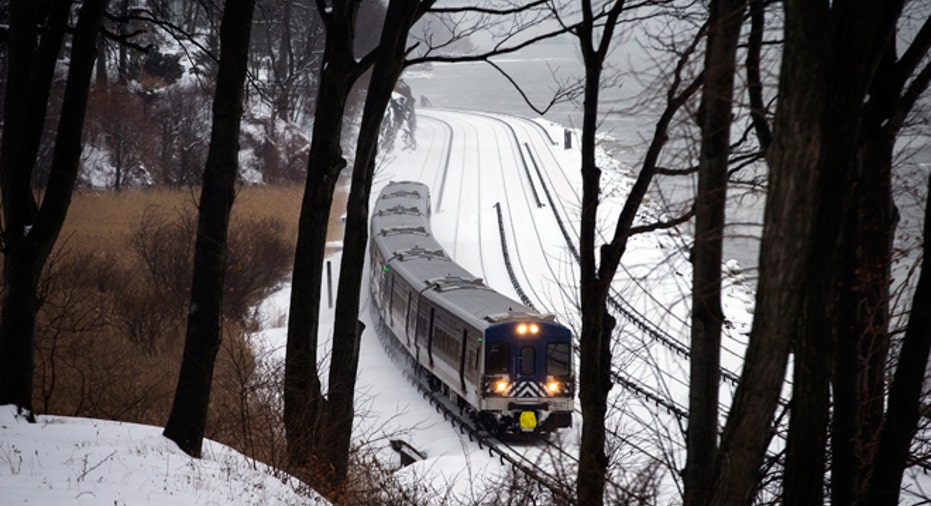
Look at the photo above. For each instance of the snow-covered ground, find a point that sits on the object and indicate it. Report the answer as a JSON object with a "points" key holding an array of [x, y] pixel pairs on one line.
{"points": [[475, 163], [62, 460]]}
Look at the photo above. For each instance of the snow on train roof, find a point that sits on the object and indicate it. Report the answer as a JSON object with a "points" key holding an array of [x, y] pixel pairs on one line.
{"points": [[400, 224]]}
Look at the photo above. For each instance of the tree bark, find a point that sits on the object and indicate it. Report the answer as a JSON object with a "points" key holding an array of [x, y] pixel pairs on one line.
{"points": [[886, 436], [823, 82], [595, 281], [30, 230], [862, 34], [725, 21], [902, 414], [786, 236], [303, 399], [347, 330], [188, 418]]}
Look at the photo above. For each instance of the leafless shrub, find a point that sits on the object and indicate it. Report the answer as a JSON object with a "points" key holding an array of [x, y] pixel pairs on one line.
{"points": [[165, 247], [71, 302], [84, 365], [111, 325], [259, 257]]}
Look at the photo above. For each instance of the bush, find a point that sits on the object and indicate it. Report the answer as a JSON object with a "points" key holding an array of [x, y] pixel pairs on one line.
{"points": [[110, 328]]}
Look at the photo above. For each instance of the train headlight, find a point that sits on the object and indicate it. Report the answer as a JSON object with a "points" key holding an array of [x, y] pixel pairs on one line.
{"points": [[553, 387], [501, 386], [523, 329]]}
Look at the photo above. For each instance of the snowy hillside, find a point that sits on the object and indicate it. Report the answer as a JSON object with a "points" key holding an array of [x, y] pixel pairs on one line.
{"points": [[62, 460]]}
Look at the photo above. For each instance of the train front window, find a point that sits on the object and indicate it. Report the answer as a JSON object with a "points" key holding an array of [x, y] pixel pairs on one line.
{"points": [[496, 358], [557, 359], [527, 360]]}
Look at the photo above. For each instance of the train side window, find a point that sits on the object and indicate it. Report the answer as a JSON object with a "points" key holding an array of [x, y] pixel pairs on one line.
{"points": [[407, 316], [421, 328], [557, 359], [528, 355], [496, 358]]}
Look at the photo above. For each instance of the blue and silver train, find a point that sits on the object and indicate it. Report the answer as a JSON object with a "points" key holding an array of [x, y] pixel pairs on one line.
{"points": [[508, 365]]}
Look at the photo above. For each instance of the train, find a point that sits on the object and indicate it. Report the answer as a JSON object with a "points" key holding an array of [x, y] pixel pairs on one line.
{"points": [[508, 366]]}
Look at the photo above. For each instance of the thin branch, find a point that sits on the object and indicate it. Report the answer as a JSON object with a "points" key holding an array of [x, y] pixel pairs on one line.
{"points": [[908, 100], [486, 55], [663, 225], [561, 95], [173, 30], [754, 83], [666, 171], [123, 40], [486, 10]]}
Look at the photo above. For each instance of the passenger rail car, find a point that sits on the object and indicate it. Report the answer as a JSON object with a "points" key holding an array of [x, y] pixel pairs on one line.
{"points": [[509, 366]]}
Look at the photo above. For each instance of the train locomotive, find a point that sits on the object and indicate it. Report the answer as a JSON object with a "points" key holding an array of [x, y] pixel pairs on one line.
{"points": [[509, 366]]}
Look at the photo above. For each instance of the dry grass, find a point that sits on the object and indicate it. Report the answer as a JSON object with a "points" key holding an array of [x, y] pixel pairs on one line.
{"points": [[103, 221], [110, 331]]}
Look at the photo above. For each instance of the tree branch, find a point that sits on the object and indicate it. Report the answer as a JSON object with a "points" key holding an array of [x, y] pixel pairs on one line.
{"points": [[663, 225], [486, 10], [561, 95], [754, 84], [908, 100]]}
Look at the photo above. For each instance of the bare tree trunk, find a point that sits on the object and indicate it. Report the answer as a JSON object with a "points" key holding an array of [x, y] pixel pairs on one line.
{"points": [[31, 231], [754, 82], [303, 399], [861, 321], [823, 82], [101, 75], [861, 34], [725, 21], [123, 56], [902, 415], [347, 331], [887, 437], [597, 324], [188, 418], [796, 141]]}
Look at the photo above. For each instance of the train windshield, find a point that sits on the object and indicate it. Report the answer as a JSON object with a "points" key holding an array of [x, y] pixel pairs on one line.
{"points": [[557, 359], [528, 361], [497, 356]]}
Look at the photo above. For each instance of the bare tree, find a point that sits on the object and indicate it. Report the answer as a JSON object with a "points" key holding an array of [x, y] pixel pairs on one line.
{"points": [[347, 331], [884, 438], [188, 418], [595, 33], [725, 19], [30, 228], [824, 80], [303, 398]]}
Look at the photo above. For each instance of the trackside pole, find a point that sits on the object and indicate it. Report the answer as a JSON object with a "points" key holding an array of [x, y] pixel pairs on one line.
{"points": [[329, 283]]}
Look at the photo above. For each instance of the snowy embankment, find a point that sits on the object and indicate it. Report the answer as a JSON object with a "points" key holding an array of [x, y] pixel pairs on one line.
{"points": [[63, 460]]}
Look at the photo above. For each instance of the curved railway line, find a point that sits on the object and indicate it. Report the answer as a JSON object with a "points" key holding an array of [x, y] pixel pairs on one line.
{"points": [[529, 162], [526, 139]]}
